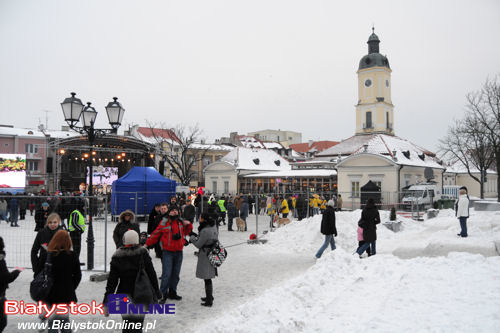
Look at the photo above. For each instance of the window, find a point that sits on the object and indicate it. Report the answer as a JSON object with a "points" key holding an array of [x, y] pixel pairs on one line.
{"points": [[226, 187], [6, 145], [32, 165], [355, 189], [387, 120], [369, 119], [378, 183], [206, 160], [214, 186], [31, 148]]}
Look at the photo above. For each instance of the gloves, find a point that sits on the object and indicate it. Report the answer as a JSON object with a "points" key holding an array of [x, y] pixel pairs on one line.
{"points": [[186, 243], [193, 234], [176, 236]]}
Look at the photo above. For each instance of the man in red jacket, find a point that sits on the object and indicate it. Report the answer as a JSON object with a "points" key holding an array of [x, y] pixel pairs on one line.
{"points": [[171, 233]]}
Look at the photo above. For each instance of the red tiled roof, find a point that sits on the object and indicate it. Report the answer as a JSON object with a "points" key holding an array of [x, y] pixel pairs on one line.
{"points": [[318, 145], [158, 132]]}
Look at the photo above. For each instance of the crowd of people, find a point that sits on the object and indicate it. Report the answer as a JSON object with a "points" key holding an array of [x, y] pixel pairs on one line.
{"points": [[169, 230]]}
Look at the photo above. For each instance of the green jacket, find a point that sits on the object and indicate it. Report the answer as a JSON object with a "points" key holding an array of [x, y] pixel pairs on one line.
{"points": [[80, 225], [221, 205]]}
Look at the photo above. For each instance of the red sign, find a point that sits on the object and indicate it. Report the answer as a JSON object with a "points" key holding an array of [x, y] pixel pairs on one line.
{"points": [[37, 182]]}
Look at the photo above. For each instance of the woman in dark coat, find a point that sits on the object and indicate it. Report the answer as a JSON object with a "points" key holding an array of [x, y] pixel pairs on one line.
{"points": [[42, 240], [66, 274], [6, 277], [125, 265], [370, 217], [328, 228], [41, 215], [126, 222], [207, 237]]}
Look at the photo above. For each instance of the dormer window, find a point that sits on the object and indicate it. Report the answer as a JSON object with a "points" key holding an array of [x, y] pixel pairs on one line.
{"points": [[407, 154], [256, 161], [277, 162]]}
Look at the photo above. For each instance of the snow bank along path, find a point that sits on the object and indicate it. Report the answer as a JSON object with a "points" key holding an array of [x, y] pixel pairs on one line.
{"points": [[456, 292]]}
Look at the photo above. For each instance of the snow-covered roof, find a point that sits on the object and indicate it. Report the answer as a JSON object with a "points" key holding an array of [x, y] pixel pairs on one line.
{"points": [[250, 142], [459, 167], [211, 147], [256, 159], [296, 173], [14, 131], [272, 145], [388, 146]]}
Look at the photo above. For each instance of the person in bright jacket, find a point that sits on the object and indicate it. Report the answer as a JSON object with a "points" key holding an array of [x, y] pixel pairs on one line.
{"points": [[284, 208], [328, 228], [76, 227], [222, 209], [171, 233], [462, 210]]}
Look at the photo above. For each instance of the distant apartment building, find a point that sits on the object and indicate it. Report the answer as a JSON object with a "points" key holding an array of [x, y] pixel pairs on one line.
{"points": [[29, 142], [286, 138]]}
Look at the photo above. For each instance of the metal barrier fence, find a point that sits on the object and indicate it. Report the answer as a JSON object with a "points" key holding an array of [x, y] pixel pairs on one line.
{"points": [[141, 203], [17, 225]]}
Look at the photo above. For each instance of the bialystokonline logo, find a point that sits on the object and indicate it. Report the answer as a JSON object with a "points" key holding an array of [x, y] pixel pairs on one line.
{"points": [[117, 304], [120, 304]]}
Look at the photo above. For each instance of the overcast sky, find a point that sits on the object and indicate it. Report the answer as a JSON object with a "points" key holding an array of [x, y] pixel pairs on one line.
{"points": [[244, 65]]}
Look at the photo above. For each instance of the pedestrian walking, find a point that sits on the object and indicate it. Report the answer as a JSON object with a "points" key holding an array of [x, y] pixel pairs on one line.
{"points": [[328, 228], [370, 217]]}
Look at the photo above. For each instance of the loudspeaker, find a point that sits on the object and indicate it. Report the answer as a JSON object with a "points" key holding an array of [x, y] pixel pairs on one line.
{"points": [[49, 164], [161, 169]]}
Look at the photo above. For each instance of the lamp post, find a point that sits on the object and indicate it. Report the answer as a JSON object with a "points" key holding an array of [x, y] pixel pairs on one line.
{"points": [[73, 110]]}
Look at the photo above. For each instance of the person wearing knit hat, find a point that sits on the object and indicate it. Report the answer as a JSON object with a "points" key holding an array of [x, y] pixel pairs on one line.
{"points": [[124, 267], [328, 228], [130, 238]]}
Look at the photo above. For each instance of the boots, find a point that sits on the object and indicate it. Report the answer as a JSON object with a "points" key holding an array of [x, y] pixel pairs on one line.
{"points": [[208, 301]]}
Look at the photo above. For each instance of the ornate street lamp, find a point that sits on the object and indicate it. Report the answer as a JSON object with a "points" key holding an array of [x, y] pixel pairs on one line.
{"points": [[73, 110]]}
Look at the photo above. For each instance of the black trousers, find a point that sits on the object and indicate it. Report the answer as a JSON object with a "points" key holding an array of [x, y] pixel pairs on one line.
{"points": [[133, 319], [3, 316], [76, 239]]}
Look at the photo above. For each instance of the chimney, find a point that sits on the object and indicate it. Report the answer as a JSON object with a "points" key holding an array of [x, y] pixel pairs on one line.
{"points": [[310, 143]]}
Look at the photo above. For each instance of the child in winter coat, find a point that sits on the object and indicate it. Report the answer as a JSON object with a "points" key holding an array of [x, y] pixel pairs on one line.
{"points": [[360, 239]]}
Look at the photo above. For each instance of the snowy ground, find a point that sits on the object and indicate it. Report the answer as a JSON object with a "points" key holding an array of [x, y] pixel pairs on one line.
{"points": [[422, 279]]}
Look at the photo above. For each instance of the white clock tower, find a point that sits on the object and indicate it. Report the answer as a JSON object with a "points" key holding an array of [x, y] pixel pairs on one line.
{"points": [[374, 111]]}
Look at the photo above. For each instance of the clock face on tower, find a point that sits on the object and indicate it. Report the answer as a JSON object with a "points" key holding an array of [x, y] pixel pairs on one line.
{"points": [[368, 83]]}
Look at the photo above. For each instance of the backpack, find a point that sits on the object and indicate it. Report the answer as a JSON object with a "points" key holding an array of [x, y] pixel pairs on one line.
{"points": [[217, 254], [42, 283]]}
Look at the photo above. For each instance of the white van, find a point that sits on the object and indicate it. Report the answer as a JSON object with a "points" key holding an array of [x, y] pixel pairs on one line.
{"points": [[421, 196]]}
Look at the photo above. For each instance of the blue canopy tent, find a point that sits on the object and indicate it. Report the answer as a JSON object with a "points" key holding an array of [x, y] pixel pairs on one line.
{"points": [[139, 190]]}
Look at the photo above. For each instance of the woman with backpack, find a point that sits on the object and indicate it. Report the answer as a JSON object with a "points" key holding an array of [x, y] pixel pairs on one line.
{"points": [[207, 237], [125, 265], [370, 217], [66, 275]]}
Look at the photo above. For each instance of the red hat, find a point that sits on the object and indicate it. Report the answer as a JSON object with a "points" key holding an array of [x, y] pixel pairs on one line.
{"points": [[253, 236]]}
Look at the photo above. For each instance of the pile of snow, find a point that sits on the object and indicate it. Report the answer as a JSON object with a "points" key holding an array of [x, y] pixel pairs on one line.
{"points": [[448, 283]]}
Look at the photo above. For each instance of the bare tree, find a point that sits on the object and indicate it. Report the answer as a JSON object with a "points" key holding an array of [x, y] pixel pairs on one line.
{"points": [[484, 106], [466, 143], [178, 148]]}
